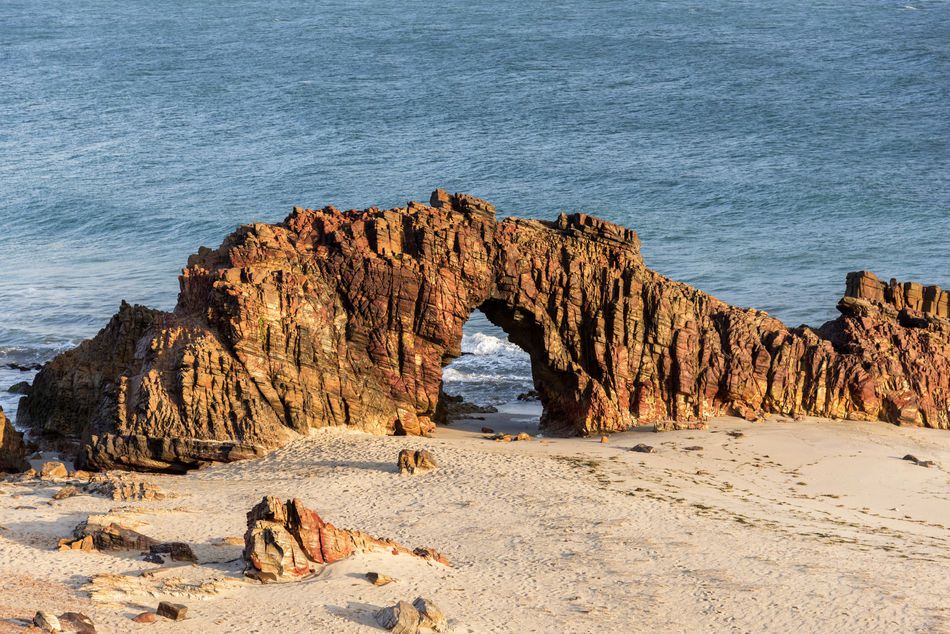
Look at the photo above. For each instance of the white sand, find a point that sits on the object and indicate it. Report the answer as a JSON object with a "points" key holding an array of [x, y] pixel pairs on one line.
{"points": [[807, 526]]}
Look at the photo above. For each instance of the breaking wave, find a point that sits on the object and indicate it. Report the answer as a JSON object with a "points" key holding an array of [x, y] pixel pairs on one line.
{"points": [[491, 370]]}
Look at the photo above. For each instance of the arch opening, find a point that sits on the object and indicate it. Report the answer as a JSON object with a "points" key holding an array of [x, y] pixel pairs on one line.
{"points": [[493, 375]]}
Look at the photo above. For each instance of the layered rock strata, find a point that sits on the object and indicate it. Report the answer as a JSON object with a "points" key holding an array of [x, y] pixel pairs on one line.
{"points": [[337, 318]]}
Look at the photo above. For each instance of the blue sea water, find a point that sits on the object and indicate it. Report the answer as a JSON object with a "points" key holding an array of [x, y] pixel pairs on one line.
{"points": [[761, 149]]}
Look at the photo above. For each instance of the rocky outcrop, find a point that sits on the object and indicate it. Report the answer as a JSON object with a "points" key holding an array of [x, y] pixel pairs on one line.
{"points": [[12, 449], [347, 318], [286, 541]]}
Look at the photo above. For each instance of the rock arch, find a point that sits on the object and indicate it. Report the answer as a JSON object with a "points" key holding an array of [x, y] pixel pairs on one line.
{"points": [[347, 318]]}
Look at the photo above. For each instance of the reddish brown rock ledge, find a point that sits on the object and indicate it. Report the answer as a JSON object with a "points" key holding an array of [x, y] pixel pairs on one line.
{"points": [[347, 318]]}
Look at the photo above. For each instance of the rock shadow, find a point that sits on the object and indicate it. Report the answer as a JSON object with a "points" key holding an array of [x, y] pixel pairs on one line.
{"points": [[357, 612]]}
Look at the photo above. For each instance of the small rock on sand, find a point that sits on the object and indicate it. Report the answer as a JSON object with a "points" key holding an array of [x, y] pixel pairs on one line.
{"points": [[47, 622], [910, 458], [488, 430], [179, 551], [430, 615], [402, 618], [145, 617], [66, 492], [523, 436], [430, 553], [411, 461], [642, 448], [378, 579], [173, 611], [604, 439], [53, 470]]}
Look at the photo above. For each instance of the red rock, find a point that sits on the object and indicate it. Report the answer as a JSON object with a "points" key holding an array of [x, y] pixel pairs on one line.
{"points": [[145, 617], [347, 318], [287, 541]]}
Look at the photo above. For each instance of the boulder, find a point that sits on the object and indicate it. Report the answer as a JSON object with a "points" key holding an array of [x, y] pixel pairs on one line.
{"points": [[288, 541], [12, 449], [53, 470], [409, 462], [22, 387], [347, 318]]}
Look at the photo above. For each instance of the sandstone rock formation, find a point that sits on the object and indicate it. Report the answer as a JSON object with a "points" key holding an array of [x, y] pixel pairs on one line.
{"points": [[286, 541], [347, 318], [12, 449]]}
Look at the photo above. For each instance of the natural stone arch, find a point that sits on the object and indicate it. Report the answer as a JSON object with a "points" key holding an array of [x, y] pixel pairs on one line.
{"points": [[348, 318]]}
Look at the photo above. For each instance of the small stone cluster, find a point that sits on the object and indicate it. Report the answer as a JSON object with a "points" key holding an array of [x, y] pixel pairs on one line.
{"points": [[410, 618]]}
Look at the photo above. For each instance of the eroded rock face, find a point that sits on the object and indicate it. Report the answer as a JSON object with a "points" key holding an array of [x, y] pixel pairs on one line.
{"points": [[12, 449], [347, 318], [286, 541]]}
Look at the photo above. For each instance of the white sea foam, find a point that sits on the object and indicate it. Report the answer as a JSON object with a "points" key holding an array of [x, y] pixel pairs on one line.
{"points": [[491, 370], [482, 344]]}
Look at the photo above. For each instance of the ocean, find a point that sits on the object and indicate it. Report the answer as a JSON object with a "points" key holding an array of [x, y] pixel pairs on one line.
{"points": [[761, 149]]}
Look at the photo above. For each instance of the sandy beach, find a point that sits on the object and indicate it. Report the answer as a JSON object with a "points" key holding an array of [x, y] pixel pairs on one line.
{"points": [[812, 526]]}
